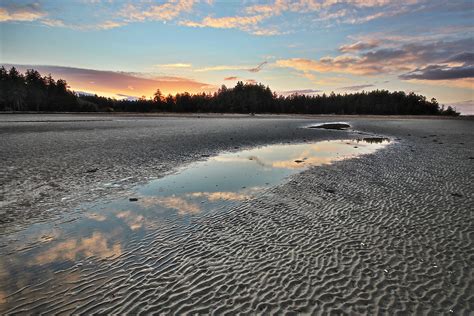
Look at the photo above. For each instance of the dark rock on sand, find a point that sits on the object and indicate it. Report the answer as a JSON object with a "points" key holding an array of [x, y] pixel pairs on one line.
{"points": [[375, 140]]}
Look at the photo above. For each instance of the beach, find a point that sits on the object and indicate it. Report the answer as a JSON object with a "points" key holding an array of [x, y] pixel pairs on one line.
{"points": [[385, 232]]}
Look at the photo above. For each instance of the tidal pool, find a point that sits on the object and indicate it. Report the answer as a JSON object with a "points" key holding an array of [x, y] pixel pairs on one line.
{"points": [[105, 231]]}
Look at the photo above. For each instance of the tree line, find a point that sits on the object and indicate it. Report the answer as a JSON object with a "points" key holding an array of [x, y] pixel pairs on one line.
{"points": [[33, 92]]}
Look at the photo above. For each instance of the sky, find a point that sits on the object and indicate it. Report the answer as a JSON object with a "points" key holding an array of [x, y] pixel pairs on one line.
{"points": [[127, 49]]}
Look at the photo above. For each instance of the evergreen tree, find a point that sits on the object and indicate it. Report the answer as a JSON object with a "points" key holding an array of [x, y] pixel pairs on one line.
{"points": [[31, 92]]}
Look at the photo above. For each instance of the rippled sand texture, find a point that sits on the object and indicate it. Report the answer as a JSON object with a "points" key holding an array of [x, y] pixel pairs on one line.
{"points": [[389, 232]]}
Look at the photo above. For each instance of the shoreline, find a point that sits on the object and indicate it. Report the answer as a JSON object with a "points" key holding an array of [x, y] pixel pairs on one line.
{"points": [[237, 115]]}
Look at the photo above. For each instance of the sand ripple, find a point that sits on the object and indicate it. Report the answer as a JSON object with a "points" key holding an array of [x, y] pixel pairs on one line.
{"points": [[357, 237]]}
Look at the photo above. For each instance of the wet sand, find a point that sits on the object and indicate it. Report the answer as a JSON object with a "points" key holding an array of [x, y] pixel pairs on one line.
{"points": [[386, 232]]}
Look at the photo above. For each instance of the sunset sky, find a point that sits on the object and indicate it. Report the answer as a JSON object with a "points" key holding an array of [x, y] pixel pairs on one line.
{"points": [[126, 48]]}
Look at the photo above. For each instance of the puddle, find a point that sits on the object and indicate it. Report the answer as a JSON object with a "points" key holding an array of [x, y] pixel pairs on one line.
{"points": [[105, 230], [334, 125]]}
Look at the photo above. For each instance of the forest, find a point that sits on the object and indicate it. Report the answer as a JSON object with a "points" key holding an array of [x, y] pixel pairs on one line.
{"points": [[36, 93]]}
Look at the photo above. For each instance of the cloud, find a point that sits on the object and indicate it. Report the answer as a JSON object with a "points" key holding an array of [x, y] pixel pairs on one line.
{"points": [[53, 22], [232, 67], [258, 68], [251, 22], [33, 12], [266, 32], [342, 11], [254, 19], [342, 64], [231, 78], [440, 72], [448, 63], [128, 97], [29, 12], [251, 81], [107, 25], [464, 57], [311, 6], [177, 65], [302, 91], [112, 83], [250, 18], [156, 12], [357, 87], [414, 59], [308, 75], [227, 22], [467, 83], [358, 46], [222, 68]]}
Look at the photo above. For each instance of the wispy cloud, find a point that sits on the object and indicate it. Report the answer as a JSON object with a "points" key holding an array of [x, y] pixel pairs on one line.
{"points": [[107, 25], [232, 67], [30, 12], [128, 97], [266, 31], [357, 87], [231, 78], [228, 22], [254, 19], [259, 67], [358, 46], [53, 22], [176, 65], [34, 12], [222, 68], [341, 11], [166, 11], [300, 91], [341, 64]]}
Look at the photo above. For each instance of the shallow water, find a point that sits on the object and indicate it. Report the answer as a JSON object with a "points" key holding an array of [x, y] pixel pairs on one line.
{"points": [[332, 125], [105, 230]]}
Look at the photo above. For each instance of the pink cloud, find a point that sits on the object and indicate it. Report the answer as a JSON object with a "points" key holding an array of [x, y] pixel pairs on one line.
{"points": [[111, 83]]}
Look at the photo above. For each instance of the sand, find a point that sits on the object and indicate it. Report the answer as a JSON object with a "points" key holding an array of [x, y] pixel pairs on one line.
{"points": [[388, 232]]}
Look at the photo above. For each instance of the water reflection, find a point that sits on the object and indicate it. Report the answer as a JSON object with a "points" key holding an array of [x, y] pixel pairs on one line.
{"points": [[180, 204], [133, 220], [96, 245], [106, 229], [215, 196]]}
